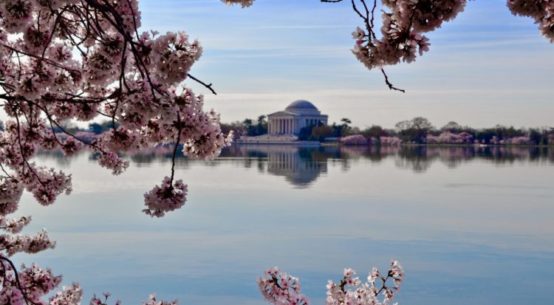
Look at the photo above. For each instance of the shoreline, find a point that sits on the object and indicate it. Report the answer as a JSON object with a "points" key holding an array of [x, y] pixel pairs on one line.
{"points": [[337, 144]]}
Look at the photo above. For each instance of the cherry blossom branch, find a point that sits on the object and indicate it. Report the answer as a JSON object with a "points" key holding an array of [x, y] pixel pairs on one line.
{"points": [[368, 16], [280, 288], [389, 84], [122, 74], [208, 86], [4, 171], [17, 281], [175, 148]]}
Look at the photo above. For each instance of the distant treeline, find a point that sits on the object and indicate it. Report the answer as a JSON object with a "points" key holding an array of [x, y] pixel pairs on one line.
{"points": [[418, 130]]}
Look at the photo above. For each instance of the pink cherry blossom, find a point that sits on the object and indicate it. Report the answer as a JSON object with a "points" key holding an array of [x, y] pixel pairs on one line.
{"points": [[243, 3], [165, 198], [279, 288]]}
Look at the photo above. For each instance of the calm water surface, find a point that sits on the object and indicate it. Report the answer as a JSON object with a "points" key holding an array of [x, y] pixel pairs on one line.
{"points": [[470, 226]]}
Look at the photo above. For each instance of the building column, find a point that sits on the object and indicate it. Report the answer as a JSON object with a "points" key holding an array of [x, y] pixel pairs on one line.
{"points": [[290, 126]]}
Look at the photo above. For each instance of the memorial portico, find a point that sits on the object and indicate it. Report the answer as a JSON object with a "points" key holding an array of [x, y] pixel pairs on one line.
{"points": [[296, 116]]}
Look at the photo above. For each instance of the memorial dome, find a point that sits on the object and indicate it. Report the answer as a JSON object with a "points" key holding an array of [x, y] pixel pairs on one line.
{"points": [[303, 107]]}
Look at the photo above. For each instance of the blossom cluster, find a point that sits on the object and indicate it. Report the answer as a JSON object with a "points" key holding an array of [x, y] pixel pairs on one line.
{"points": [[447, 137], [540, 10], [404, 23], [519, 140], [11, 241], [34, 284], [165, 198], [70, 295], [402, 30], [280, 288], [351, 290], [390, 141], [69, 60], [354, 140], [28, 285], [407, 19], [152, 300], [58, 64], [243, 3]]}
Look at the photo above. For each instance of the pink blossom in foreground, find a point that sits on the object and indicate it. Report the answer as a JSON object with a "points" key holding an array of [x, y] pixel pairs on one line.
{"points": [[11, 295], [280, 288], [401, 38], [243, 3], [12, 243], [152, 300], [404, 23], [10, 193], [71, 295], [165, 198], [14, 225], [57, 66], [376, 291]]}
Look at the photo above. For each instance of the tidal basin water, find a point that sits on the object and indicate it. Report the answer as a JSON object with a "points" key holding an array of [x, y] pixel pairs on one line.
{"points": [[470, 226]]}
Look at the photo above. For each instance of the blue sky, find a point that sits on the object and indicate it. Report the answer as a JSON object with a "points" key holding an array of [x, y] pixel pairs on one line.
{"points": [[485, 67]]}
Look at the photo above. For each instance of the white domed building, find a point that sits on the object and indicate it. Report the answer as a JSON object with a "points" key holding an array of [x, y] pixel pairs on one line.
{"points": [[297, 115]]}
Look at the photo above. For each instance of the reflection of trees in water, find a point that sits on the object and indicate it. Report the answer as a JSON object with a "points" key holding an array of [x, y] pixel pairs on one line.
{"points": [[291, 161], [416, 158], [58, 156], [420, 158], [511, 154], [301, 166]]}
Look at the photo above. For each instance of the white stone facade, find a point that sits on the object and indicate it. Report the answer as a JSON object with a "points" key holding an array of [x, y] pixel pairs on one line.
{"points": [[296, 116]]}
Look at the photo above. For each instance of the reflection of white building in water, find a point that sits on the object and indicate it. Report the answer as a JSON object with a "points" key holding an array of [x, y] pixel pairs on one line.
{"points": [[296, 116], [298, 169], [299, 166]]}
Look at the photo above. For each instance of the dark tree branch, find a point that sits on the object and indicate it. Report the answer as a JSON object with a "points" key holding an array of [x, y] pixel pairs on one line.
{"points": [[389, 84], [208, 86]]}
